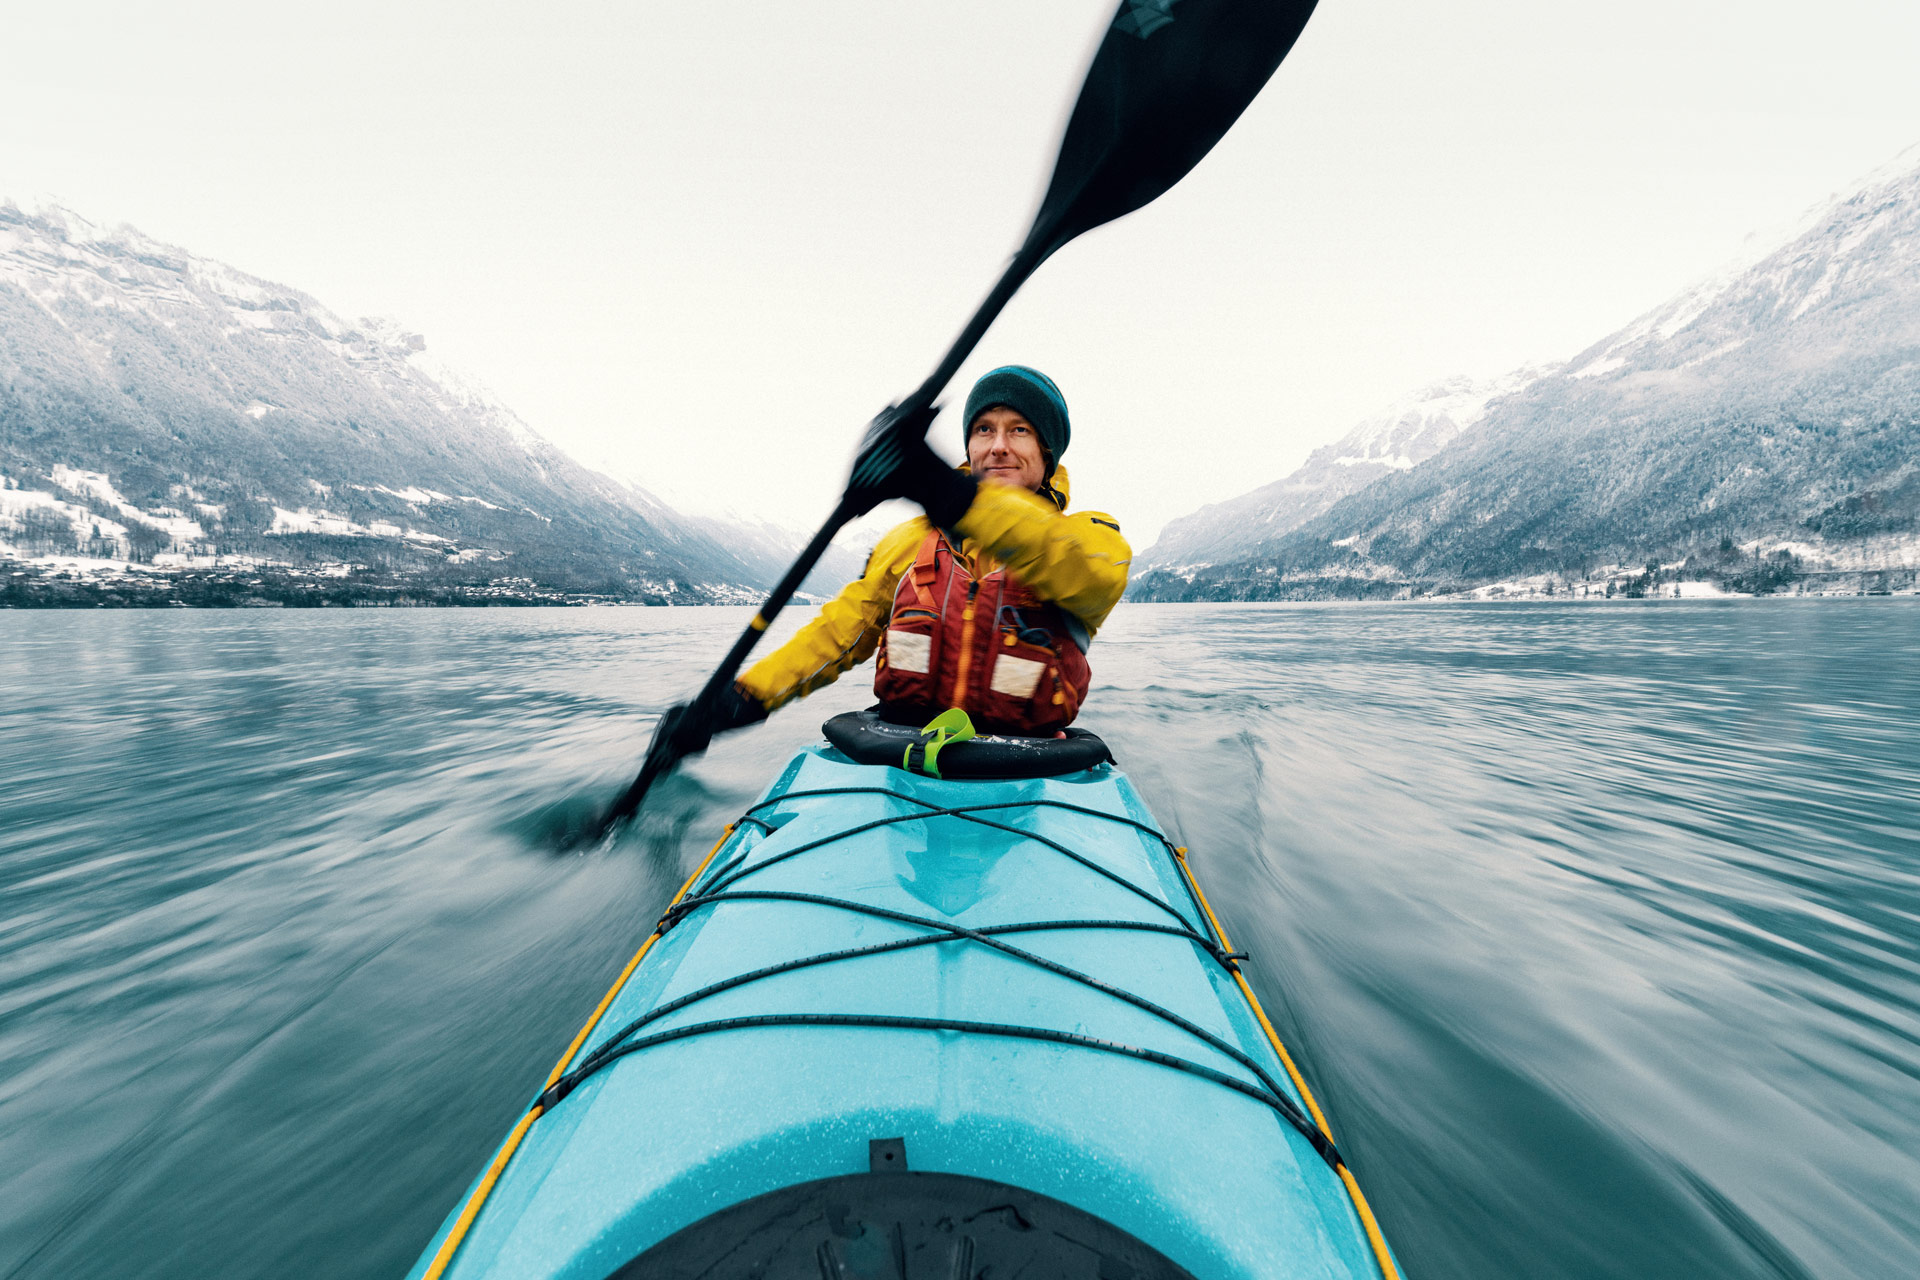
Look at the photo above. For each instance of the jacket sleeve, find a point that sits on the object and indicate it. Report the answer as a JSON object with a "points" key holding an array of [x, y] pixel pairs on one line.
{"points": [[1078, 561], [845, 633]]}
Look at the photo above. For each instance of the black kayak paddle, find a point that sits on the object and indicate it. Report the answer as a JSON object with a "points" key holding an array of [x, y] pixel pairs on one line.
{"points": [[1168, 81]]}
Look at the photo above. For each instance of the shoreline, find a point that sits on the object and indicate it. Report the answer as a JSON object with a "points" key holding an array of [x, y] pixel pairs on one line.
{"points": [[417, 597], [124, 585]]}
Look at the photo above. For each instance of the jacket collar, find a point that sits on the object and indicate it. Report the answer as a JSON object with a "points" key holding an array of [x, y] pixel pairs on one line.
{"points": [[1059, 485]]}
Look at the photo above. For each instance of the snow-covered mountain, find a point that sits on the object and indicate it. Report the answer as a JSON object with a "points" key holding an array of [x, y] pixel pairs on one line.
{"points": [[171, 411], [1773, 408], [1403, 435]]}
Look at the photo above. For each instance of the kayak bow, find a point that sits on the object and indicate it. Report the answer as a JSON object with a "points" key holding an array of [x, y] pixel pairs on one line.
{"points": [[897, 1025]]}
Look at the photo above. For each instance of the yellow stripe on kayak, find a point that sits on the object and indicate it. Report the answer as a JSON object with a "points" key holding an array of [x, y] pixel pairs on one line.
{"points": [[471, 1209], [1368, 1222]]}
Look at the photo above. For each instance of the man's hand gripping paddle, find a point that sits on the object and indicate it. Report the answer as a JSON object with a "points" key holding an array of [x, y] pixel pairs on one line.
{"points": [[1168, 81]]}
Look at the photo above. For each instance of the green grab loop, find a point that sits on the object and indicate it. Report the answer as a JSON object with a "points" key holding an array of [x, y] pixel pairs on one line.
{"points": [[951, 725]]}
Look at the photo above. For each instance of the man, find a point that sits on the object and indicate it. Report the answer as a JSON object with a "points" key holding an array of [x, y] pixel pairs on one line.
{"points": [[986, 603]]}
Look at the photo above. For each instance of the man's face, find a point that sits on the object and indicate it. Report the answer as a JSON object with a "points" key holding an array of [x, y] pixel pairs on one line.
{"points": [[1003, 448]]}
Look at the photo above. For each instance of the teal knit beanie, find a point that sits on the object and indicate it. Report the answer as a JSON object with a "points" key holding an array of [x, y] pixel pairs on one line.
{"points": [[1033, 396]]}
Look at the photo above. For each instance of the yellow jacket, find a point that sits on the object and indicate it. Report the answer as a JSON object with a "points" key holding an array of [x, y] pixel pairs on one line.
{"points": [[1077, 561]]}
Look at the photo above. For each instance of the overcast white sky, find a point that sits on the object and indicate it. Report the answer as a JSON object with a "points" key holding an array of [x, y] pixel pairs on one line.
{"points": [[699, 244]]}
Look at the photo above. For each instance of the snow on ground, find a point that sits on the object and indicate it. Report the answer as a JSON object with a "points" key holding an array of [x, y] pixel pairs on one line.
{"points": [[165, 564], [94, 483], [252, 319], [180, 529], [86, 526], [83, 566], [174, 562], [1698, 591], [322, 521], [1882, 551], [412, 493], [1606, 364], [420, 497], [1714, 354], [15, 501], [1548, 586], [1537, 587], [307, 520]]}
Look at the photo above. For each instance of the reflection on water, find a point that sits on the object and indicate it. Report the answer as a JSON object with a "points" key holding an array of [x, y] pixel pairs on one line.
{"points": [[1598, 927]]}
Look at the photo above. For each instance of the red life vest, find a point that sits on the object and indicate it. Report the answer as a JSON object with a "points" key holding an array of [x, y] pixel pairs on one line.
{"points": [[986, 644]]}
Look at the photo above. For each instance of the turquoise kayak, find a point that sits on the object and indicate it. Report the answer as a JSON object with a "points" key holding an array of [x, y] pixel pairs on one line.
{"points": [[902, 1025]]}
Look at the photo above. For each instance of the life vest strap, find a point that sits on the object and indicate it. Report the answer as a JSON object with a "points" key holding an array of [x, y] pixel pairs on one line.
{"points": [[926, 568]]}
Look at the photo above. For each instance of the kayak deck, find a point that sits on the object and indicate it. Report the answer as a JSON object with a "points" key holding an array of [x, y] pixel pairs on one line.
{"points": [[1016, 980]]}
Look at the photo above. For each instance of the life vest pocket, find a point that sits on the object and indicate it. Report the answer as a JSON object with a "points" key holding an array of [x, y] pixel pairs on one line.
{"points": [[1020, 686], [909, 651], [1016, 677]]}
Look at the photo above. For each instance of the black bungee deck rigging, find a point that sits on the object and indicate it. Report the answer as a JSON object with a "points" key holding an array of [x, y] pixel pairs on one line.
{"points": [[619, 1044]]}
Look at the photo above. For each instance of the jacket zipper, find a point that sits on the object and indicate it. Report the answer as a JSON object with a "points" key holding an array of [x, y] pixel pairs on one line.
{"points": [[966, 644]]}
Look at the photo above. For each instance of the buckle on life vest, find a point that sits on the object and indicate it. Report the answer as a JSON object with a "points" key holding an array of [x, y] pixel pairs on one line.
{"points": [[923, 753], [1039, 636]]}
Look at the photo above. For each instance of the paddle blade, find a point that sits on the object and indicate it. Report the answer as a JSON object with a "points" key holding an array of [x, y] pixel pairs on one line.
{"points": [[1169, 80]]}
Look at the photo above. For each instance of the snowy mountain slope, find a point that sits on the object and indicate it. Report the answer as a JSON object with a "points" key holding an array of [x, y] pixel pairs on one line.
{"points": [[1403, 435], [191, 411], [1777, 403]]}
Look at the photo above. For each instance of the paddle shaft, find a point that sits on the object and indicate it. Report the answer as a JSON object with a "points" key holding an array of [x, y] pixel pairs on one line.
{"points": [[655, 765], [1011, 279]]}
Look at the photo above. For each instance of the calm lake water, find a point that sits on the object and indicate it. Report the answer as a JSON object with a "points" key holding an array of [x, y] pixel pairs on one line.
{"points": [[1596, 927]]}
